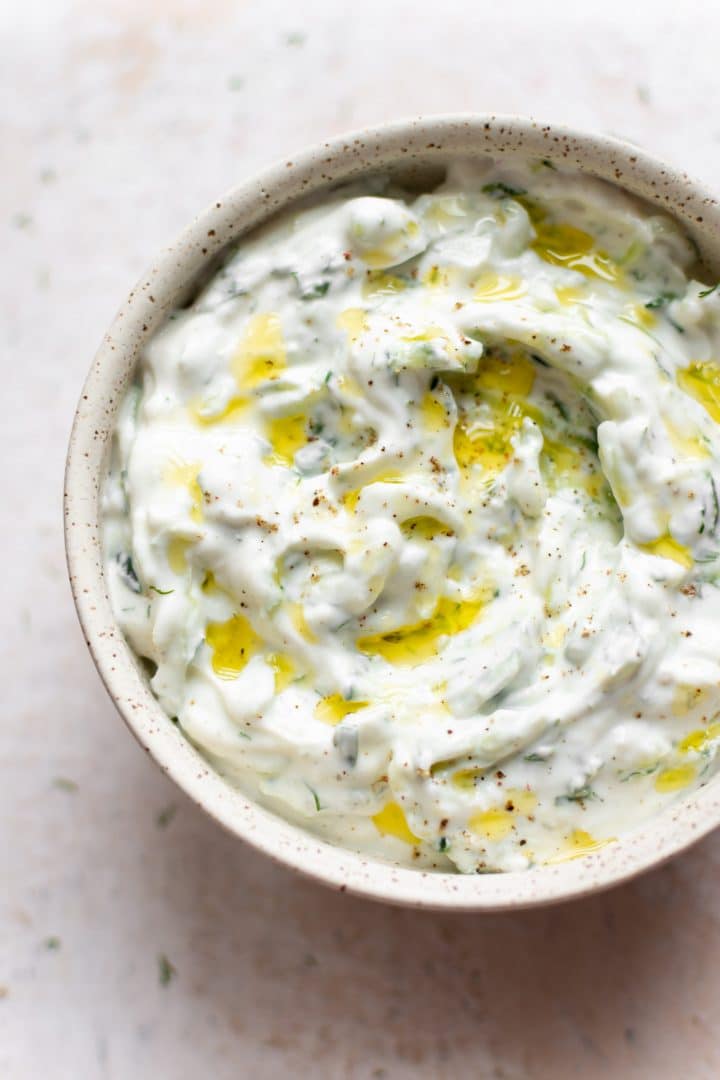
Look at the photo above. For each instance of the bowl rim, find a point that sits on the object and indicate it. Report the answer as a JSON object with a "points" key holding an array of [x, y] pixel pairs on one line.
{"points": [[171, 277]]}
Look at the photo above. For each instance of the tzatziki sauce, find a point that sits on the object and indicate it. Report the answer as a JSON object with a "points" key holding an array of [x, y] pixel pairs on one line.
{"points": [[413, 516]]}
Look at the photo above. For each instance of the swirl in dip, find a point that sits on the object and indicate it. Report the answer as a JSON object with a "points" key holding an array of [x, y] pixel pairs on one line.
{"points": [[414, 512]]}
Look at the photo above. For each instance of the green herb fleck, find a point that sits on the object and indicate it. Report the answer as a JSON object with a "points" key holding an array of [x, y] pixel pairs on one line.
{"points": [[295, 38], [708, 292], [317, 291], [643, 93], [716, 506], [235, 82], [646, 771], [661, 300], [161, 592], [505, 191], [166, 970], [52, 944], [22, 221], [127, 572], [165, 816], [560, 406], [443, 843], [316, 798], [328, 377], [62, 784], [548, 164], [345, 740], [582, 794], [534, 757], [48, 175]]}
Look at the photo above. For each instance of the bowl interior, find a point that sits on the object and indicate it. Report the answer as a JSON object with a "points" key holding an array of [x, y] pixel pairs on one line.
{"points": [[415, 154]]}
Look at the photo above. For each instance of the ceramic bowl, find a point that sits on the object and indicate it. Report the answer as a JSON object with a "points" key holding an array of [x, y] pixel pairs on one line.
{"points": [[416, 152]]}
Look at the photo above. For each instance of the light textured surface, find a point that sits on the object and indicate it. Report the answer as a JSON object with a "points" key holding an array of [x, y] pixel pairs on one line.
{"points": [[122, 124]]}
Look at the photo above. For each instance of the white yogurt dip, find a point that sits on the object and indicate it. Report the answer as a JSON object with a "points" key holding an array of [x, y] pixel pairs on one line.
{"points": [[414, 514]]}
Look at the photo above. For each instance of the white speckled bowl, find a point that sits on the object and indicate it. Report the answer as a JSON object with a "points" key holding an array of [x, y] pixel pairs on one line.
{"points": [[413, 149]]}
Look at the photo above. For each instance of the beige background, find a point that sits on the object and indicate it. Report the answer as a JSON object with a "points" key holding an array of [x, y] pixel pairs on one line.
{"points": [[119, 120]]}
